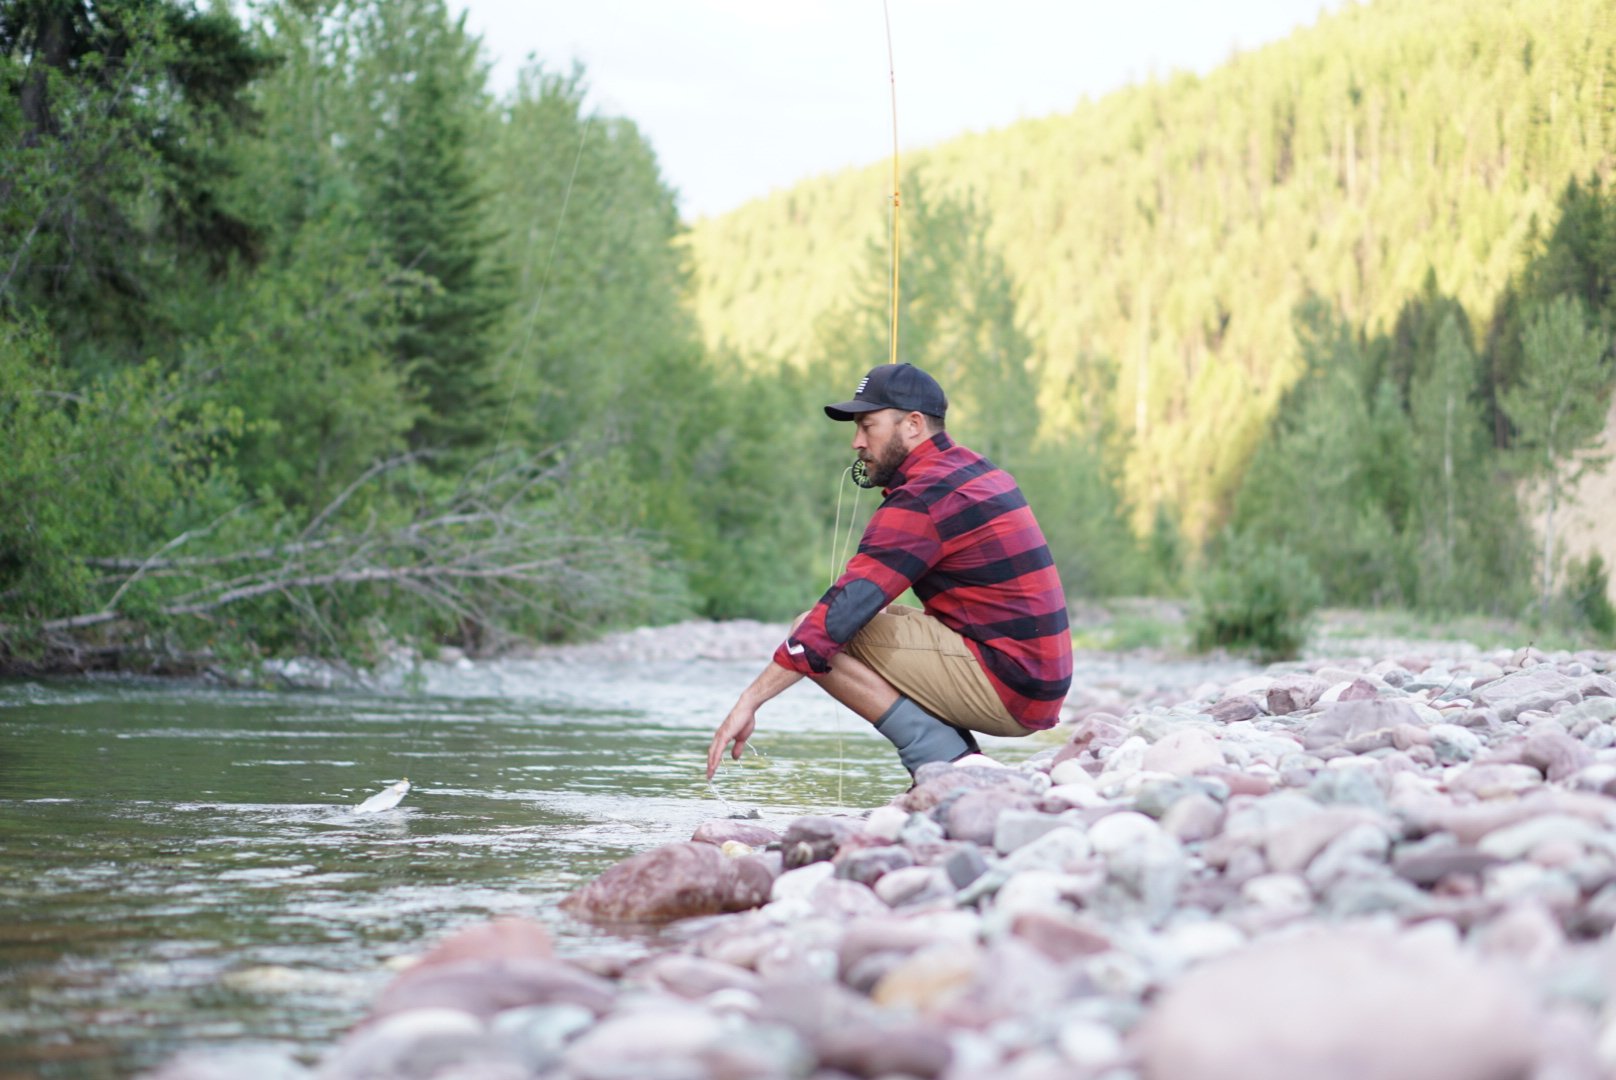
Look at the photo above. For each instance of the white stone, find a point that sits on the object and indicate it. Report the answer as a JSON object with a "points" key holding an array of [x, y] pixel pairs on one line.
{"points": [[1071, 771], [1034, 891], [1127, 758], [797, 884], [1074, 796], [1089, 1045], [1278, 894], [1183, 753], [1454, 743], [1115, 832], [886, 822], [1061, 849]]}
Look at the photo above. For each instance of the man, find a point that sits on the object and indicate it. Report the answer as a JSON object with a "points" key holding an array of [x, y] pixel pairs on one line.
{"points": [[991, 652]]}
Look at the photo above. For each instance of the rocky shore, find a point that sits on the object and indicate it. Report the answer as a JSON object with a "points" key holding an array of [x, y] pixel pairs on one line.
{"points": [[1395, 868]]}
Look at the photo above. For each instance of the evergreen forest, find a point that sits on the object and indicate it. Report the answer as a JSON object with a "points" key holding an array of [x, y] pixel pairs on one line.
{"points": [[312, 344]]}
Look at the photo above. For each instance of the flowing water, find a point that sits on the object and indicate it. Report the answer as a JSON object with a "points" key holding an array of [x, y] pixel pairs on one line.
{"points": [[181, 866]]}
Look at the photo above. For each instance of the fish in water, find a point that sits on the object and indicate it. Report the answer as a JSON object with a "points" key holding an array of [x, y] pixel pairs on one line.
{"points": [[385, 799]]}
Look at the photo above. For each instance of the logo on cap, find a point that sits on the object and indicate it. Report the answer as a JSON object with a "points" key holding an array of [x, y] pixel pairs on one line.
{"points": [[862, 384]]}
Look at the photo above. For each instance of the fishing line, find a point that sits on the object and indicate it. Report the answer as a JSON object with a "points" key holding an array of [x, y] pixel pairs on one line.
{"points": [[839, 545], [897, 199]]}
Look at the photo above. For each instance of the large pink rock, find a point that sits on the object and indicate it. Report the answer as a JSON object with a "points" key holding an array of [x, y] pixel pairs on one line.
{"points": [[675, 881], [1342, 1005]]}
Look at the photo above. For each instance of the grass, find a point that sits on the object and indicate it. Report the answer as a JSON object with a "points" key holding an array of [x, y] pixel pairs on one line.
{"points": [[1148, 624], [1344, 625]]}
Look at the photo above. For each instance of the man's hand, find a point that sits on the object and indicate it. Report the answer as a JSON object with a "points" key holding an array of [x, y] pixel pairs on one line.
{"points": [[737, 728]]}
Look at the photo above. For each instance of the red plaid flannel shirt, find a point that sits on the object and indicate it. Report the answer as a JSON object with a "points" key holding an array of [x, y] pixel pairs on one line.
{"points": [[958, 530]]}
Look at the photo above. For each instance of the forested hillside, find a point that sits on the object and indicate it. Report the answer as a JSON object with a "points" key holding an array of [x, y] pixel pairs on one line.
{"points": [[1160, 241]]}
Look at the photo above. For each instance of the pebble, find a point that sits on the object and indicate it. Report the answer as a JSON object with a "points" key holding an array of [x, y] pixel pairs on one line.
{"points": [[1395, 866]]}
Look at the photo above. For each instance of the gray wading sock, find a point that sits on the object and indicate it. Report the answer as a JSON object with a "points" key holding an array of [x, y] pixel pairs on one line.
{"points": [[919, 736]]}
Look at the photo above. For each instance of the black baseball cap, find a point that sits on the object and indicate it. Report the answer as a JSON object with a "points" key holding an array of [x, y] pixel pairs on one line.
{"points": [[893, 386]]}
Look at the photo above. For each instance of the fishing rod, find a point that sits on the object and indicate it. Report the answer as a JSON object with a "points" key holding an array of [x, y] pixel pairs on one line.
{"points": [[859, 471], [897, 198]]}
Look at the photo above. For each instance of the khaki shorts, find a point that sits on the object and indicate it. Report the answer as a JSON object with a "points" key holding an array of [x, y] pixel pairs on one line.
{"points": [[932, 666]]}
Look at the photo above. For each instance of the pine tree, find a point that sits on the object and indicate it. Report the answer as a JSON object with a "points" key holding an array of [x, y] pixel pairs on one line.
{"points": [[421, 84], [117, 118], [1558, 408]]}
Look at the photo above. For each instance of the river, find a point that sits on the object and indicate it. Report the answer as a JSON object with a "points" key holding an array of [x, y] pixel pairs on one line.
{"points": [[181, 866]]}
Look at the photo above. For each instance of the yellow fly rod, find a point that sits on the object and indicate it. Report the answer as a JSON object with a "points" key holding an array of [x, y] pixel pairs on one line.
{"points": [[897, 200]]}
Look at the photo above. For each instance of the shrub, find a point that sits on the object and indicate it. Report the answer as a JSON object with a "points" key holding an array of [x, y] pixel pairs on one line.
{"points": [[1585, 597], [1255, 596]]}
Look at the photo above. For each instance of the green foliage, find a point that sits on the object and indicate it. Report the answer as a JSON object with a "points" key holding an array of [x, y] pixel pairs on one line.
{"points": [[958, 319], [1585, 598], [1170, 230], [137, 452], [421, 85], [1393, 500], [115, 117], [1257, 596], [316, 352], [1558, 407]]}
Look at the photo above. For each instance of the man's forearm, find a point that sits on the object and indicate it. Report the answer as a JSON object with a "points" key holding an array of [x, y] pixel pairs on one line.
{"points": [[770, 683]]}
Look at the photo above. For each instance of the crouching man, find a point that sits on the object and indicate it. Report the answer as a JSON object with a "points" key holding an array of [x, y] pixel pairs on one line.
{"points": [[991, 650]]}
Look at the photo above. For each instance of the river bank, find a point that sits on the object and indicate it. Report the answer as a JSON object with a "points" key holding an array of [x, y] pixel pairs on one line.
{"points": [[1390, 866]]}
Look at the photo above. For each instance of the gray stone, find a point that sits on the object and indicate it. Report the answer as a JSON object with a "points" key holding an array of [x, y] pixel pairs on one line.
{"points": [[1017, 828], [229, 1064], [1360, 786], [974, 815], [900, 1048], [814, 839], [663, 1041], [965, 866], [414, 1044], [1427, 867], [1599, 709], [1535, 688], [1193, 819], [1234, 708], [538, 1033], [868, 865], [915, 885], [1360, 851], [1062, 849]]}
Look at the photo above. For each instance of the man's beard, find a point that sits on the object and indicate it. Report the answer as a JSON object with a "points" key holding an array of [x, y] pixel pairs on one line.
{"points": [[884, 465]]}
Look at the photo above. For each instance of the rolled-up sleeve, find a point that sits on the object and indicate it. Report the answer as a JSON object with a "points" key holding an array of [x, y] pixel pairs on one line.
{"points": [[900, 544]]}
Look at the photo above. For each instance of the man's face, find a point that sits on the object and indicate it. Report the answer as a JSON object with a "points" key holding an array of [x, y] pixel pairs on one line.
{"points": [[879, 441]]}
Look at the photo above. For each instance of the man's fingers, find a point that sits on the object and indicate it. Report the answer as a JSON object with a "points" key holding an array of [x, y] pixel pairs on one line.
{"points": [[740, 745], [715, 753]]}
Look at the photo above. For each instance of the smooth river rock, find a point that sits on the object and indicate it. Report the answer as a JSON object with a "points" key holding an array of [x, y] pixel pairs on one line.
{"points": [[675, 881]]}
